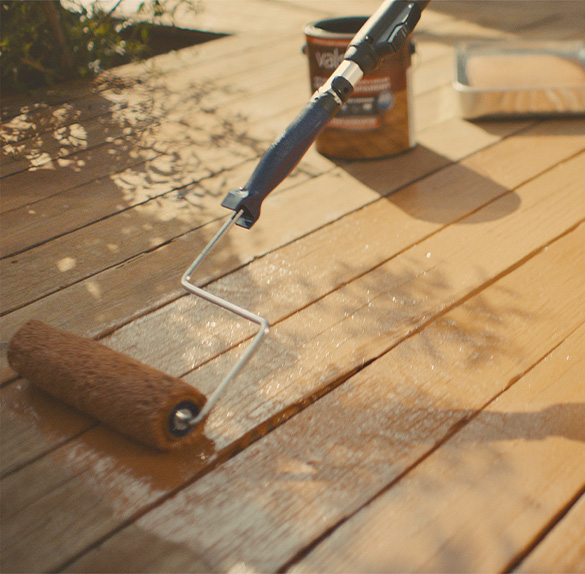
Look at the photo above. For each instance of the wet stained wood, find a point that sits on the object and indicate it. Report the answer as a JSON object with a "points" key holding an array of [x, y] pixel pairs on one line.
{"points": [[487, 493], [171, 143], [335, 199], [56, 264], [337, 454], [60, 262], [299, 366], [426, 312]]}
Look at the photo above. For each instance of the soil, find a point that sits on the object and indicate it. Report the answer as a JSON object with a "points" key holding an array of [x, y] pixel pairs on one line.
{"points": [[163, 39]]}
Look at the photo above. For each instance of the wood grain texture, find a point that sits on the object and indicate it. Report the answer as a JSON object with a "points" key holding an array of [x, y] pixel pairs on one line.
{"points": [[315, 349], [131, 123], [563, 548], [260, 507], [425, 359], [414, 206], [487, 492], [66, 261]]}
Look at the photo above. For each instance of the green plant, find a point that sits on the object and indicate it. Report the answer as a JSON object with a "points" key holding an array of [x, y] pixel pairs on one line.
{"points": [[46, 42]]}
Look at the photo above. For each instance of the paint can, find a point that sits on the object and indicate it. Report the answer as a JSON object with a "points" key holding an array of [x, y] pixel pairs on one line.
{"points": [[376, 121]]}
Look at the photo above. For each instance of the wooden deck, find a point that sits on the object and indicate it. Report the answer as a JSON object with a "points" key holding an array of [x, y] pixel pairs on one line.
{"points": [[420, 401]]}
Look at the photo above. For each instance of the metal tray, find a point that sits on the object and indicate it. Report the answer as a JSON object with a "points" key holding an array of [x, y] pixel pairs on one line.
{"points": [[510, 79]]}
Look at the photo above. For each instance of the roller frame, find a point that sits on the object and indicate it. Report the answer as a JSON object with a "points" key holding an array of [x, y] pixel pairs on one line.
{"points": [[185, 417]]}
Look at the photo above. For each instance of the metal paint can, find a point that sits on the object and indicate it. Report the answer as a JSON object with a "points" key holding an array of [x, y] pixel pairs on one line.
{"points": [[377, 120]]}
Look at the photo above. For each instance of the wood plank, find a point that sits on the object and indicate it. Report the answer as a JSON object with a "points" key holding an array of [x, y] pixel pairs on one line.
{"points": [[246, 296], [133, 535], [376, 215], [28, 438], [563, 549], [315, 349], [41, 119], [90, 467], [235, 67], [203, 109], [106, 297], [136, 133], [510, 162], [285, 491], [202, 152], [438, 142], [110, 298], [137, 105], [96, 519], [449, 107], [55, 264], [34, 224], [114, 240], [103, 298], [456, 138], [28, 187], [155, 555], [462, 146], [487, 492]]}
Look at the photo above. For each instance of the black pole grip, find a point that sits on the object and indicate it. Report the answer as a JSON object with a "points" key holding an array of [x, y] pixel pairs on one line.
{"points": [[384, 32], [281, 158]]}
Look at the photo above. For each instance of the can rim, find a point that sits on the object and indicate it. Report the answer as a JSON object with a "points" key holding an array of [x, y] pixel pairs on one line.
{"points": [[344, 28]]}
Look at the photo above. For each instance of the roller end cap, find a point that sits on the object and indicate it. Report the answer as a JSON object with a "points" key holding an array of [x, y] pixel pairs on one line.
{"points": [[180, 417]]}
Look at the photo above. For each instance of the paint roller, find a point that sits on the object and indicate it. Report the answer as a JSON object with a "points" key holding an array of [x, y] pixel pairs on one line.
{"points": [[143, 403]]}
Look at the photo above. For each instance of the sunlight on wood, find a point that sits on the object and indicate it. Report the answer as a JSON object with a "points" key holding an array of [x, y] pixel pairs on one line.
{"points": [[418, 404]]}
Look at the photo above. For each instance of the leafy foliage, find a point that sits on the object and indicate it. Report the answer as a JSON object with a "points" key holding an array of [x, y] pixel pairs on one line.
{"points": [[43, 43]]}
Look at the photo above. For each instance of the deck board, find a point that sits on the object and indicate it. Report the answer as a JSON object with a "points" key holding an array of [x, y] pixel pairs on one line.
{"points": [[342, 322], [96, 247], [563, 548], [398, 409], [487, 493], [426, 312]]}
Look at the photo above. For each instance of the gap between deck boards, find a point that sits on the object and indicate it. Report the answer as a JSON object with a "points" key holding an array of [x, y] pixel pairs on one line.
{"points": [[251, 465], [542, 185], [270, 421]]}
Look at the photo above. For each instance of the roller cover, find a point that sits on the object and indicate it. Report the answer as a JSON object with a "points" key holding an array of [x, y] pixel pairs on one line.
{"points": [[124, 394]]}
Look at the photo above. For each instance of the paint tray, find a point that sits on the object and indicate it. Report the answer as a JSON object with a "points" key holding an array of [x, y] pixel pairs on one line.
{"points": [[516, 79]]}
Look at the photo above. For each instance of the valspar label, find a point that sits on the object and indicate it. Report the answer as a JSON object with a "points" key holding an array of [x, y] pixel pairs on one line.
{"points": [[329, 59], [378, 105]]}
